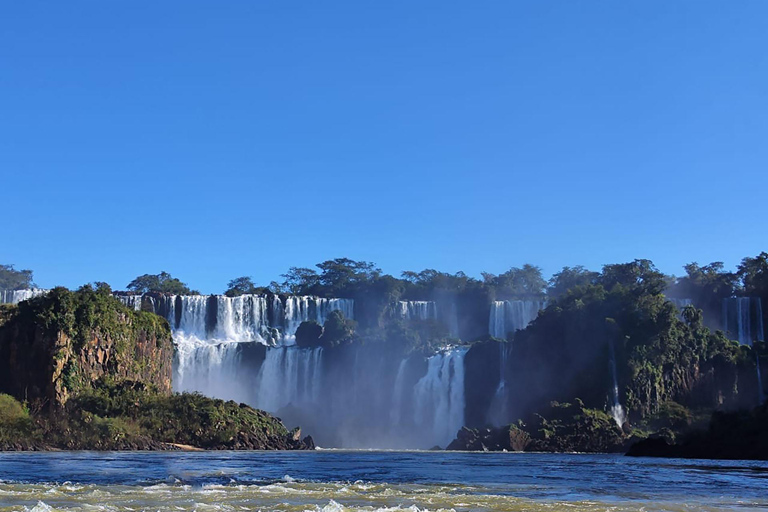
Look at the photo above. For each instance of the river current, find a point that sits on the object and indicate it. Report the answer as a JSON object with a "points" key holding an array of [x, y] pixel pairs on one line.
{"points": [[334, 481]]}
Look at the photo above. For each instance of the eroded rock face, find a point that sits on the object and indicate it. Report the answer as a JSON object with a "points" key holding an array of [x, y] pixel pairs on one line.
{"points": [[54, 346]]}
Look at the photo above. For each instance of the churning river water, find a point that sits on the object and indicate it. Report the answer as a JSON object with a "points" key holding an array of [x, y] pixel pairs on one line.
{"points": [[373, 481]]}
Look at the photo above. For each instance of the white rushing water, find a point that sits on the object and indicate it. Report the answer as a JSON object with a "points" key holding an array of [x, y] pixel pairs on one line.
{"points": [[16, 296], [508, 316], [289, 376], [498, 412], [743, 319], [416, 310], [617, 410], [439, 396]]}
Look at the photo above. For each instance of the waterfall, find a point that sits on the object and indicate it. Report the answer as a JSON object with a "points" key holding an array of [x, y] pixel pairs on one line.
{"points": [[617, 411], [760, 389], [16, 296], [289, 375], [298, 309], [743, 319], [512, 315], [217, 319], [498, 411], [131, 301], [416, 310], [439, 396], [397, 396], [211, 369]]}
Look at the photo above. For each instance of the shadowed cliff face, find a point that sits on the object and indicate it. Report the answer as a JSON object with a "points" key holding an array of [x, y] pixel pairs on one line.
{"points": [[55, 346]]}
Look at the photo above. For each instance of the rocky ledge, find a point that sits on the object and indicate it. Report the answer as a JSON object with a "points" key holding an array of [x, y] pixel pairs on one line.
{"points": [[563, 427]]}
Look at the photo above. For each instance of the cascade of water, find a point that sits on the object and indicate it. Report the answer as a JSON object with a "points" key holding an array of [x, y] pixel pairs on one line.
{"points": [[512, 315], [242, 318], [760, 389], [131, 301], [16, 296], [289, 375], [617, 411], [219, 319], [397, 396], [439, 395], [417, 309], [498, 413], [212, 369], [743, 319]]}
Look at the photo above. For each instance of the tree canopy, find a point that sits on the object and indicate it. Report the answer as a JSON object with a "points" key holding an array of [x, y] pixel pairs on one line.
{"points": [[162, 283], [12, 279]]}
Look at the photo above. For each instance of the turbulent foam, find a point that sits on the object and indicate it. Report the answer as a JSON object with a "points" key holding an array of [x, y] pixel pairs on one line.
{"points": [[322, 497]]}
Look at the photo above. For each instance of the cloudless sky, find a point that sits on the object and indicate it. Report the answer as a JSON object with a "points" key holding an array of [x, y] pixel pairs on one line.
{"points": [[220, 139]]}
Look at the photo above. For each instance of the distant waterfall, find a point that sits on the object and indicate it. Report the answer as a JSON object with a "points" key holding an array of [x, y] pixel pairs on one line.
{"points": [[132, 301], [743, 319], [395, 414], [512, 315], [760, 389], [16, 296], [298, 309], [289, 376], [498, 412], [439, 396], [213, 319], [211, 369], [416, 310], [617, 411]]}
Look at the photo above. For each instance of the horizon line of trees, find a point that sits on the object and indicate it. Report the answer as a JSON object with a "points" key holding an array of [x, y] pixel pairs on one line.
{"points": [[706, 285]]}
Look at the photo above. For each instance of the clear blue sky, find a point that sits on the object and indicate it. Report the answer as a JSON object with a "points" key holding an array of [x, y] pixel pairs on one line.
{"points": [[220, 139]]}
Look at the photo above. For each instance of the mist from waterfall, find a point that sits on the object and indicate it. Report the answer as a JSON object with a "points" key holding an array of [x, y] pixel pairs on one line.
{"points": [[508, 316], [617, 411]]}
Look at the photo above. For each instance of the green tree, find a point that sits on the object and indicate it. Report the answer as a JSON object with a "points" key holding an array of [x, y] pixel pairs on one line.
{"points": [[162, 282], [753, 273], [337, 329], [343, 275], [308, 334], [300, 280], [12, 279], [639, 275], [525, 282], [570, 278], [242, 286]]}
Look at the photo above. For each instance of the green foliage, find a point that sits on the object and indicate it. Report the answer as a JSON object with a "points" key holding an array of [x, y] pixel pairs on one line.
{"points": [[338, 330], [525, 282], [15, 421], [641, 276], [308, 334], [161, 283], [12, 279], [243, 286], [115, 411], [570, 278]]}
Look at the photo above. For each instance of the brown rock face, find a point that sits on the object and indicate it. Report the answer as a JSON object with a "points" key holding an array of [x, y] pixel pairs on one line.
{"points": [[54, 346]]}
